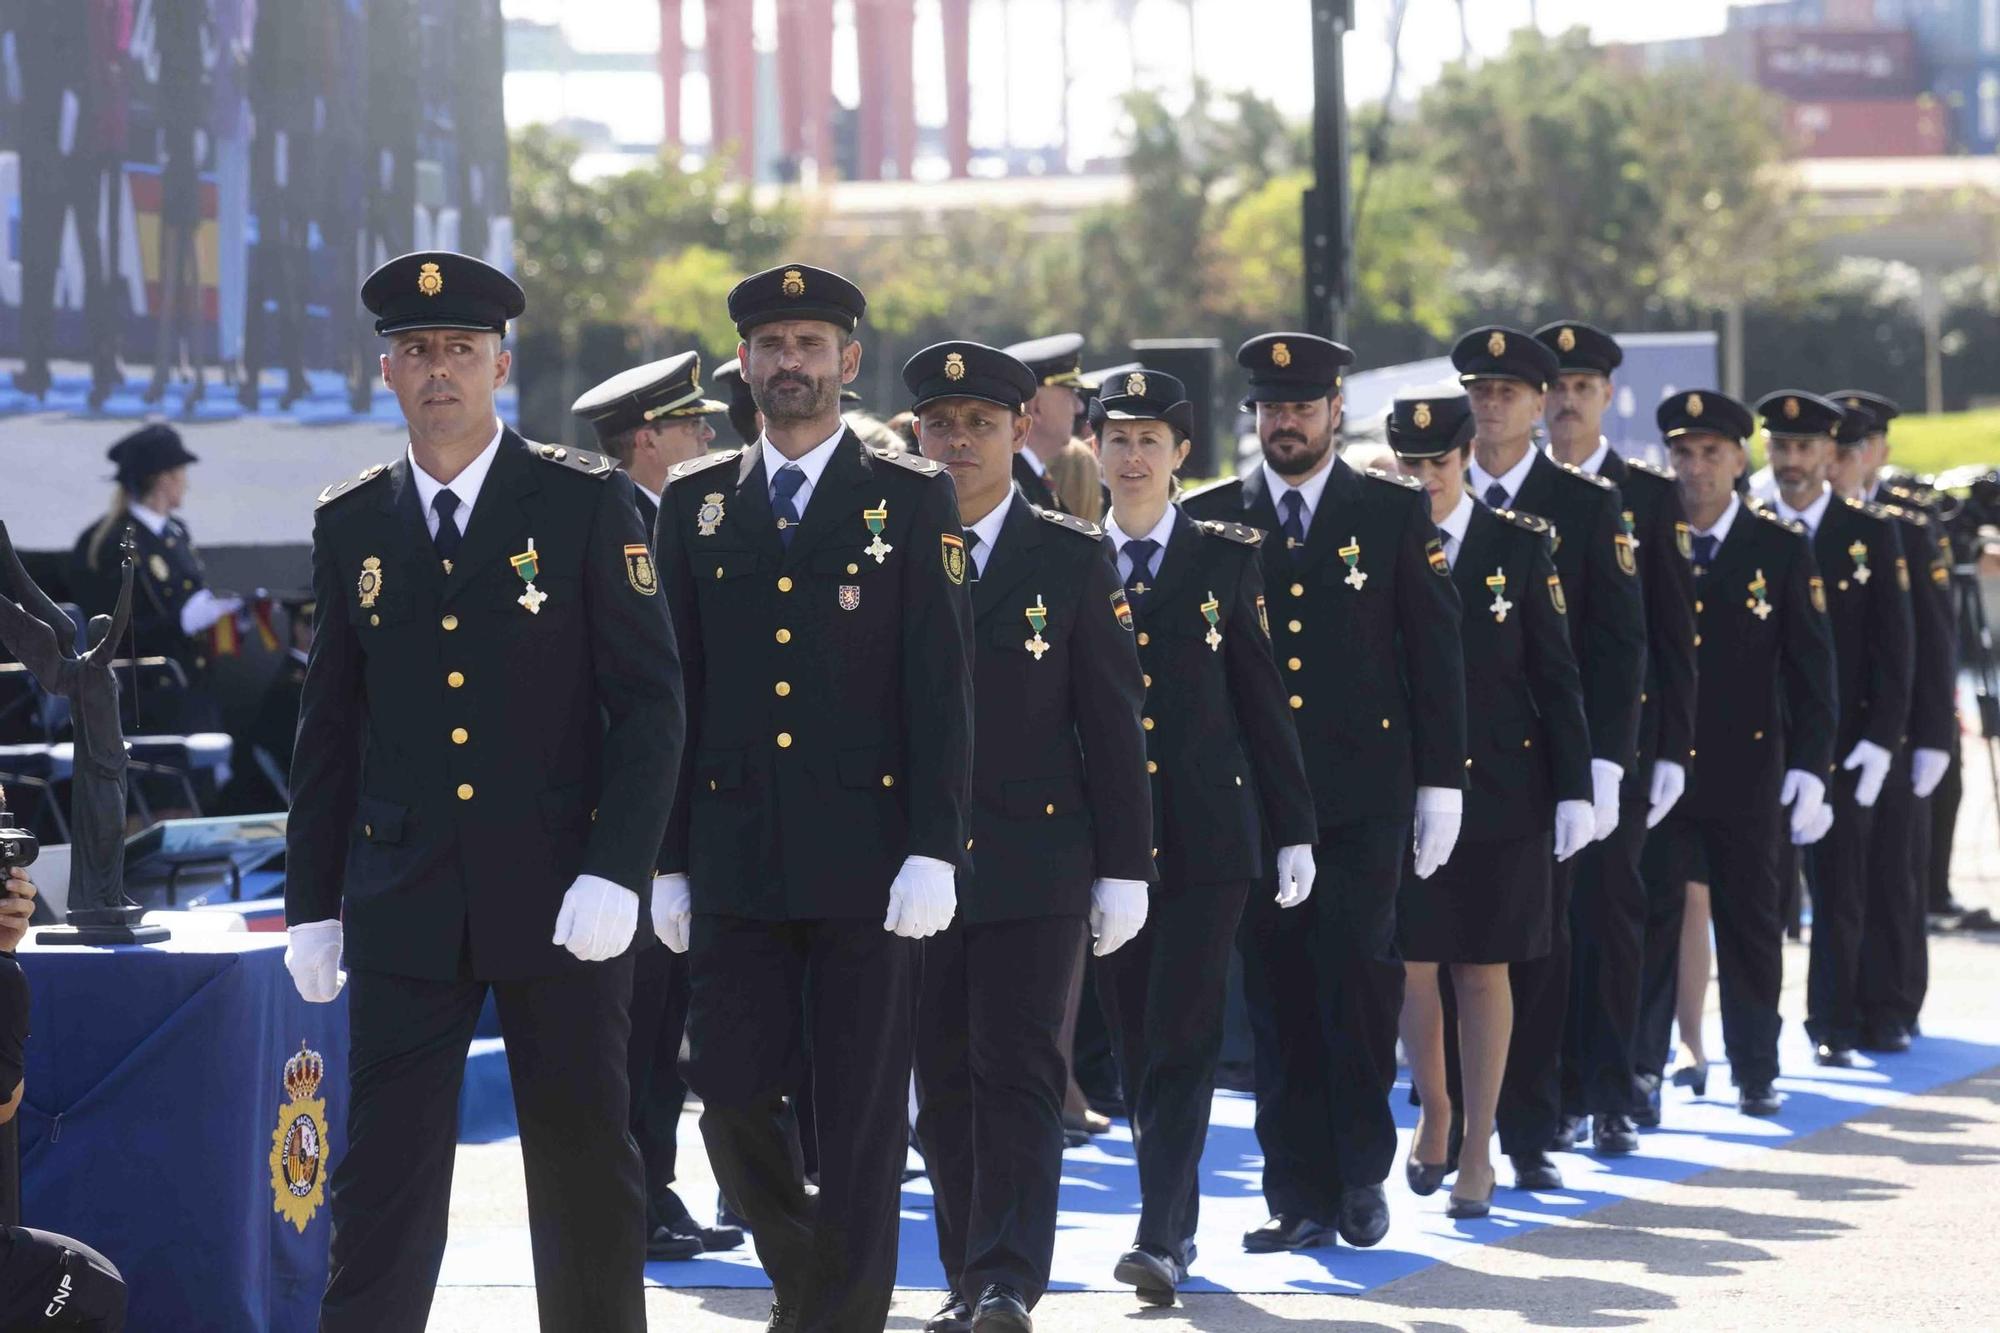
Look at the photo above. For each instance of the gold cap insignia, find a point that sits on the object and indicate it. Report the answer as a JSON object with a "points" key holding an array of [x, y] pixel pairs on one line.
{"points": [[954, 367], [1566, 340], [429, 281], [1854, 402], [794, 283], [1791, 409], [1135, 386], [1420, 416], [1496, 345], [1694, 404], [1281, 355]]}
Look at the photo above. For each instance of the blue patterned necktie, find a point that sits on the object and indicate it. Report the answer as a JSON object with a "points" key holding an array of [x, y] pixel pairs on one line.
{"points": [[1496, 496], [784, 489], [1294, 523], [1704, 550], [1140, 553]]}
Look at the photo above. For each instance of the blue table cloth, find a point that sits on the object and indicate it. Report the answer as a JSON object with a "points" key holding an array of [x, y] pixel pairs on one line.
{"points": [[159, 1127]]}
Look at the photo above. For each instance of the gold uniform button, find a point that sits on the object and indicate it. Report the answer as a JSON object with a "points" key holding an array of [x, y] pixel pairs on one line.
{"points": [[1048, 809], [1385, 724], [1642, 696], [718, 571], [1146, 722], [1468, 763], [1152, 767], [1756, 735], [1144, 638], [465, 791], [1294, 626], [1297, 702], [888, 780], [783, 687], [784, 636], [459, 735], [450, 623], [367, 830], [784, 740], [968, 844], [1697, 606], [1147, 681], [374, 620], [1239, 782], [1528, 744], [456, 679], [711, 784], [785, 584], [1298, 590], [1293, 663], [1697, 640], [854, 569]]}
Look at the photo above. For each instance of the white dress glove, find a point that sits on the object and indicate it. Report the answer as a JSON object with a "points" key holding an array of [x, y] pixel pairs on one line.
{"points": [[1873, 761], [203, 608], [1805, 794], [1117, 911], [1440, 811], [1604, 779], [1576, 825], [1296, 872], [1670, 783], [598, 919], [312, 956], [1927, 769], [922, 898], [673, 911], [1821, 826]]}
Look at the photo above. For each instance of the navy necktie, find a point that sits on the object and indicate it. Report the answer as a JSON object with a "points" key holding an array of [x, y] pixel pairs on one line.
{"points": [[1704, 550], [445, 505], [1140, 553], [1496, 496], [784, 490], [972, 552], [1294, 523]]}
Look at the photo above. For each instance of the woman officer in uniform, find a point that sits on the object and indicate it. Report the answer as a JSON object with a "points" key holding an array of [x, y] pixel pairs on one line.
{"points": [[1223, 756], [1490, 904]]}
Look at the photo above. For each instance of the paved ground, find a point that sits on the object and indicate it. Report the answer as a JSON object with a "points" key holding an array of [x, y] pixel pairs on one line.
{"points": [[1881, 1222]]}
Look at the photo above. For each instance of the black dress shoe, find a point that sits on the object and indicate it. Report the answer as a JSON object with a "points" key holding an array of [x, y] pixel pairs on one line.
{"points": [[1613, 1135], [1757, 1099], [667, 1245], [1424, 1177], [1886, 1041], [1153, 1271], [675, 1217], [953, 1316], [1287, 1231], [1364, 1215], [1647, 1086], [1534, 1171], [1833, 1057], [1571, 1132], [1001, 1310]]}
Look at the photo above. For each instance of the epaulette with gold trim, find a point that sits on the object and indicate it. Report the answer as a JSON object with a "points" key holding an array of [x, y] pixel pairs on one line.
{"points": [[1916, 518], [1602, 483], [916, 463], [1770, 516], [349, 486], [1874, 511], [1652, 469], [1083, 527], [702, 464], [1235, 532], [1393, 478], [589, 464], [1529, 522]]}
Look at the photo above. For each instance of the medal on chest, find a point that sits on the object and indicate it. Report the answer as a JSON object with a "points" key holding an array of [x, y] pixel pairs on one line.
{"points": [[1497, 582], [1858, 553], [1211, 610], [877, 519], [1351, 553], [1759, 602], [528, 566], [1038, 620]]}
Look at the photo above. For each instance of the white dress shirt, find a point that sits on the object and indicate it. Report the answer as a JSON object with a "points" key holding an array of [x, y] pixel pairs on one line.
{"points": [[813, 463], [154, 520], [1160, 532], [988, 531], [1454, 526], [1811, 514], [465, 486], [1721, 529], [1310, 490], [1511, 483]]}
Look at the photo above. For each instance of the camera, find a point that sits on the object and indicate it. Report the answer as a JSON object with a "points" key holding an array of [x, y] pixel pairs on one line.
{"points": [[18, 847]]}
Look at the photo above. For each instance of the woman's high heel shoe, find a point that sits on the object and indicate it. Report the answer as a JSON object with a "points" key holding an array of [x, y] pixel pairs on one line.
{"points": [[1424, 1177], [1693, 1076], [1461, 1208]]}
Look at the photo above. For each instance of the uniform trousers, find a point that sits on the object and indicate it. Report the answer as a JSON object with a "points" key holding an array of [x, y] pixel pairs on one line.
{"points": [[659, 1020], [990, 1083], [1162, 996], [1324, 988], [1741, 857], [1944, 827], [757, 989], [1894, 961], [390, 1192], [1607, 919], [1837, 873]]}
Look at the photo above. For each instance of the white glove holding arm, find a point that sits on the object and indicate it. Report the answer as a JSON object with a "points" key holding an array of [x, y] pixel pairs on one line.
{"points": [[1576, 826], [598, 919], [1821, 826], [1440, 811], [203, 608], [312, 956], [1927, 769], [673, 911], [1873, 761], [1604, 779], [1805, 794], [1296, 872], [922, 898], [1670, 782], [1117, 911]]}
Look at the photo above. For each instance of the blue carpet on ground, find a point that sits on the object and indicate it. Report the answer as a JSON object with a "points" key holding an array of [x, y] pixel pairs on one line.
{"points": [[1100, 1199]]}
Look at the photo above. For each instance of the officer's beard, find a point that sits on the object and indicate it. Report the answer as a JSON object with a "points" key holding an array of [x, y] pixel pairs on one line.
{"points": [[786, 398], [1291, 454]]}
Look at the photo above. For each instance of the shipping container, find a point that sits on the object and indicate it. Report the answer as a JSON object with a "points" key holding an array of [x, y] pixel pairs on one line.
{"points": [[1808, 65], [1912, 127]]}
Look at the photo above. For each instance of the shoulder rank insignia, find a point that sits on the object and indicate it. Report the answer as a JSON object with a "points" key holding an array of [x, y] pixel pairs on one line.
{"points": [[1556, 595], [1393, 478], [1038, 620], [1081, 526], [1497, 582], [639, 570], [702, 464], [1434, 552], [1654, 469], [916, 463], [578, 460], [340, 488], [1759, 601], [1601, 483], [1236, 532], [1121, 608], [1351, 553], [1211, 611], [953, 550], [1534, 523]]}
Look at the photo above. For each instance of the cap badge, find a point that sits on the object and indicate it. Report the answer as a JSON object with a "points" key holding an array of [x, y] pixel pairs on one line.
{"points": [[1281, 355], [1694, 405], [954, 367], [1135, 386], [794, 283], [1496, 344], [429, 281], [1791, 409], [1854, 402], [1566, 340], [1420, 416]]}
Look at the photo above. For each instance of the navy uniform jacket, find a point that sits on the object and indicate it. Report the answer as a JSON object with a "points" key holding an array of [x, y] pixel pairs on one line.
{"points": [[1220, 744], [1529, 745], [1658, 527], [1376, 675], [460, 759], [1860, 556], [1927, 555], [1059, 790], [1770, 705], [649, 513], [1607, 612], [829, 693], [1033, 484], [169, 572]]}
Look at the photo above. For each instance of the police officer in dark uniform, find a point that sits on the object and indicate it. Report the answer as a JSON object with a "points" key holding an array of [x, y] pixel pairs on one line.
{"points": [[820, 589], [1061, 832], [1226, 769], [1491, 904], [651, 419], [173, 608], [487, 746], [1608, 905], [274, 729], [1364, 626], [1763, 743], [1056, 362], [1860, 556], [1506, 374]]}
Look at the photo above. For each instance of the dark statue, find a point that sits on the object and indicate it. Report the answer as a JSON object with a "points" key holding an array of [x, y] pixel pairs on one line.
{"points": [[39, 633]]}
